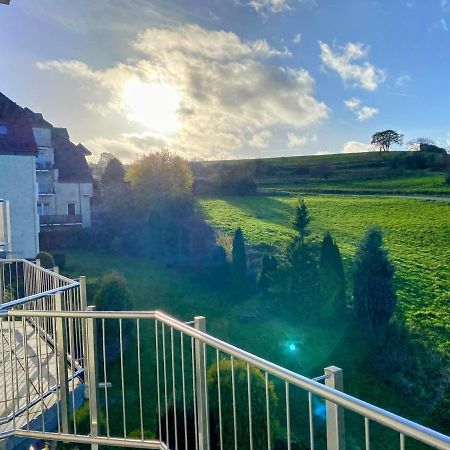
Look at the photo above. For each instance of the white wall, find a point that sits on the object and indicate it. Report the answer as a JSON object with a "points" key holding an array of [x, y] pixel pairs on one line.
{"points": [[18, 185], [79, 193]]}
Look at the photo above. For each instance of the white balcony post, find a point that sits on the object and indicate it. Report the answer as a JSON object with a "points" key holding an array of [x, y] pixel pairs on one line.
{"points": [[61, 351], [91, 372], [201, 387], [335, 413]]}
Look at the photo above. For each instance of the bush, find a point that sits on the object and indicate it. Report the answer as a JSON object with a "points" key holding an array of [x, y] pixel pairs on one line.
{"points": [[113, 294], [300, 280], [332, 280], [60, 260], [47, 261], [374, 295], [234, 180], [239, 263], [258, 401], [267, 271]]}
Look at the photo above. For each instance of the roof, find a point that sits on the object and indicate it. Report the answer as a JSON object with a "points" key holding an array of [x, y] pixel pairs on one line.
{"points": [[19, 137], [70, 159]]}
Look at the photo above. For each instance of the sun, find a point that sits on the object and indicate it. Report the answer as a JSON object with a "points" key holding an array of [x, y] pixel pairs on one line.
{"points": [[153, 105]]}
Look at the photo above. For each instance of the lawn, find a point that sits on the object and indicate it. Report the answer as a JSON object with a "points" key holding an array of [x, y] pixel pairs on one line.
{"points": [[416, 234], [430, 184]]}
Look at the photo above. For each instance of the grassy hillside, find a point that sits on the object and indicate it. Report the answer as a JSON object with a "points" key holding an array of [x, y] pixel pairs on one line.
{"points": [[373, 172], [416, 234]]}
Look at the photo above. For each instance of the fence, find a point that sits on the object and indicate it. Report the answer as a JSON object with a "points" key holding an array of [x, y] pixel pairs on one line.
{"points": [[154, 382]]}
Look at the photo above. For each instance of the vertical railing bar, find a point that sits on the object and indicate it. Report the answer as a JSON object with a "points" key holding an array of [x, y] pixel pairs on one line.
{"points": [[311, 421], [40, 387], [105, 378], [233, 396], [157, 379], [122, 380], [219, 399], [2, 344], [27, 371], [194, 393], [183, 382], [288, 417], [58, 409], [138, 337], [249, 395], [72, 371], [269, 445], [163, 329], [12, 371], [402, 441], [367, 432], [205, 348], [174, 396]]}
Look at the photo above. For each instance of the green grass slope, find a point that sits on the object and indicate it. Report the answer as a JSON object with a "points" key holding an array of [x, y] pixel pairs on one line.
{"points": [[416, 234]]}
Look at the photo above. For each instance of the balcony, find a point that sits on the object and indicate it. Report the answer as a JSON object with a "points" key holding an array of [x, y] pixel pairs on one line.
{"points": [[151, 381], [44, 165], [61, 220]]}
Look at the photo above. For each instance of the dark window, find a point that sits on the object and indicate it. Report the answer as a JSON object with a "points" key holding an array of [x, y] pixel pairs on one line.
{"points": [[71, 208]]}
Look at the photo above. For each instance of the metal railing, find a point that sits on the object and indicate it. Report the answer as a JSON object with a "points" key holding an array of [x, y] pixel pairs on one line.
{"points": [[151, 381], [33, 350], [60, 220]]}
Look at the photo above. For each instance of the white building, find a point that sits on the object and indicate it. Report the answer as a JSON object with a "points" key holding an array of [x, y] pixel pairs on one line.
{"points": [[63, 175], [18, 185]]}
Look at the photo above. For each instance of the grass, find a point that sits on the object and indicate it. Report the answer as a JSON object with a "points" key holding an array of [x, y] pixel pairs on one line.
{"points": [[416, 235], [429, 184], [184, 296]]}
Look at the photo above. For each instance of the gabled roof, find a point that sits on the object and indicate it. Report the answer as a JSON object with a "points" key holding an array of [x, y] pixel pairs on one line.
{"points": [[19, 137], [70, 159]]}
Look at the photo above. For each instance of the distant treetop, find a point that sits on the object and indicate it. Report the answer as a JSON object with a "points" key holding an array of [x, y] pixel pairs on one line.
{"points": [[382, 140]]}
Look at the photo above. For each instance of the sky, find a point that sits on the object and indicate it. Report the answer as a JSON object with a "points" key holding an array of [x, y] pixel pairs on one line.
{"points": [[225, 79]]}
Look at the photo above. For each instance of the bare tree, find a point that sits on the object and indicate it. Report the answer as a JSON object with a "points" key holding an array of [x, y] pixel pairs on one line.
{"points": [[414, 144], [382, 140]]}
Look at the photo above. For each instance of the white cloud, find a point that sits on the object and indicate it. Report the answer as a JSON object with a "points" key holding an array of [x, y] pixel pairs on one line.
{"points": [[274, 6], [261, 139], [366, 112], [295, 140], [297, 38], [362, 112], [402, 80], [352, 104], [444, 24], [356, 147], [231, 95], [350, 62]]}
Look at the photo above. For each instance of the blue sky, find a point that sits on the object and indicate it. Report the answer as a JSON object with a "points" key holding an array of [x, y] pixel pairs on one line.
{"points": [[230, 78]]}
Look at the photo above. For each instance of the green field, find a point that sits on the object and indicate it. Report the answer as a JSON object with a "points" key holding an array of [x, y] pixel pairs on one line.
{"points": [[416, 234], [430, 184]]}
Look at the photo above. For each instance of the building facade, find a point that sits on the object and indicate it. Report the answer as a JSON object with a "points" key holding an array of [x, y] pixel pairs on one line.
{"points": [[18, 184], [64, 178]]}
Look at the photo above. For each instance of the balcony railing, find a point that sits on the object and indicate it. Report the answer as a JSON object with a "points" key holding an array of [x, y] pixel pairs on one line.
{"points": [[60, 220], [155, 382]]}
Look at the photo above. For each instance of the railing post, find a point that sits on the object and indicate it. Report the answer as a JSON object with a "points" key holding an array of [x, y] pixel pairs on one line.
{"points": [[201, 387], [335, 414], [91, 371], [61, 352]]}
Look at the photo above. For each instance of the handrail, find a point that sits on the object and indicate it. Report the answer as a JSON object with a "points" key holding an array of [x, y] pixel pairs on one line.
{"points": [[30, 298], [376, 414]]}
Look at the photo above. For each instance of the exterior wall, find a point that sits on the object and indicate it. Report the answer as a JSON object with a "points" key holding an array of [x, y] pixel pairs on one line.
{"points": [[78, 193], [18, 185]]}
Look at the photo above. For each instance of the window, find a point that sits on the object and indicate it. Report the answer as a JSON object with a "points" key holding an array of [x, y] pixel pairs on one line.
{"points": [[43, 209], [71, 208], [3, 129]]}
